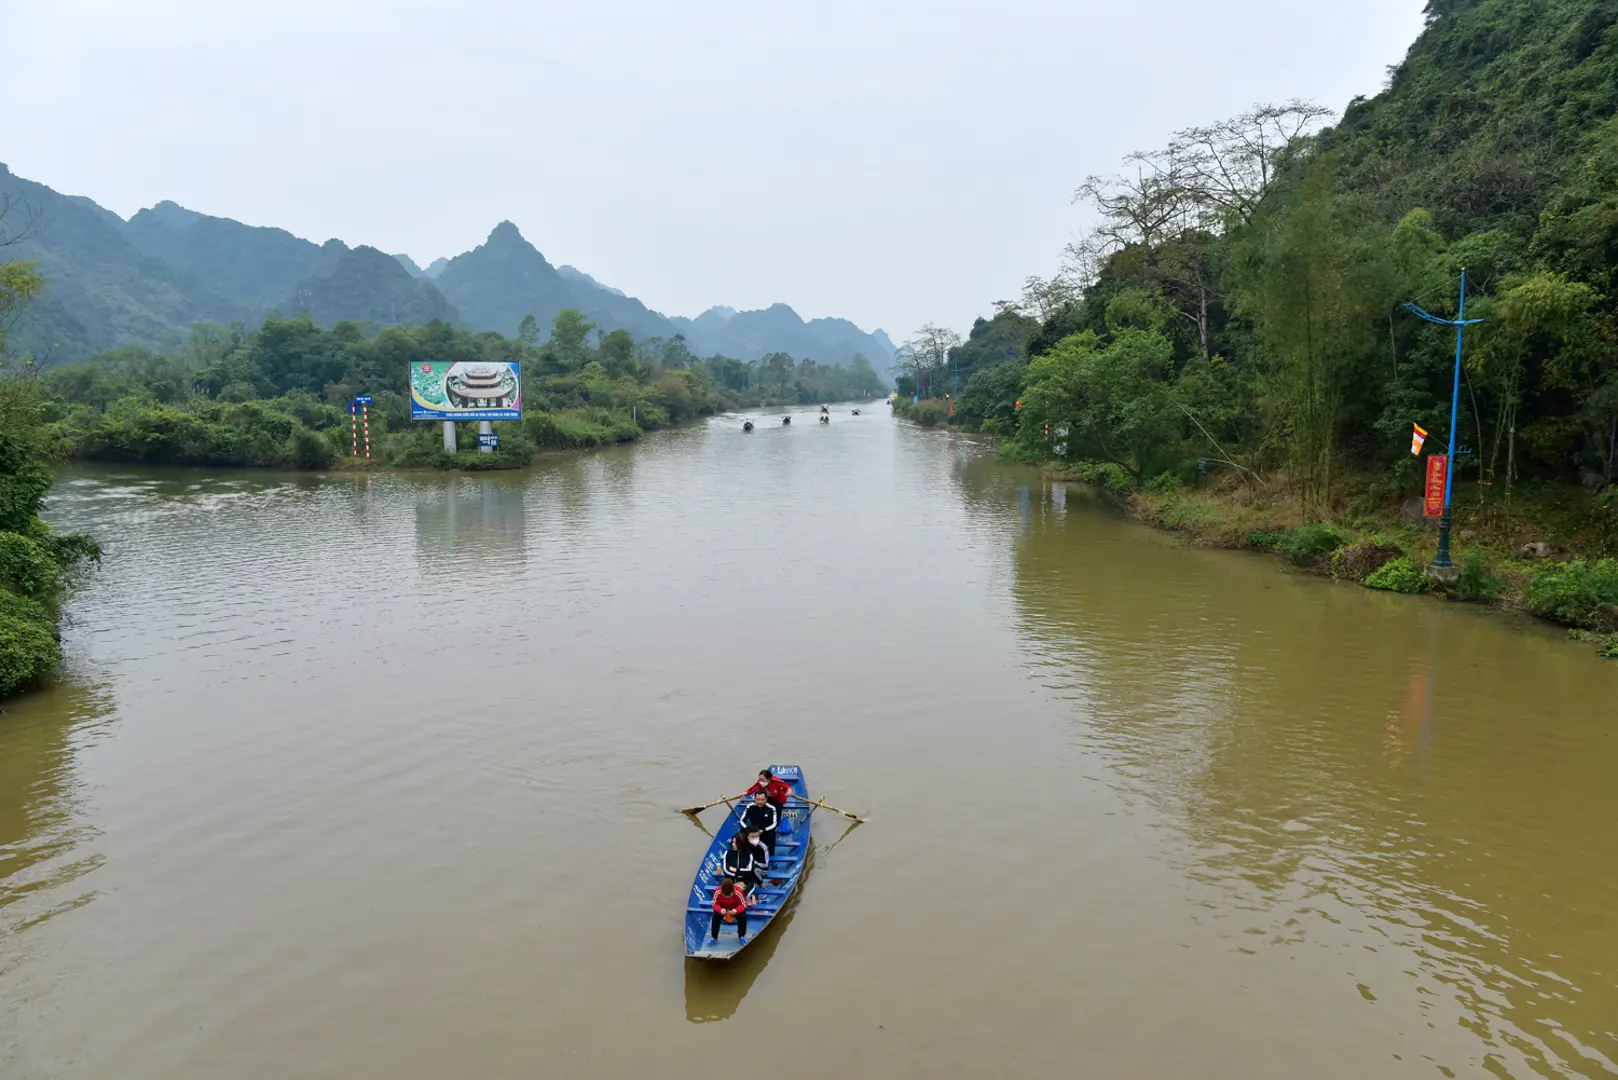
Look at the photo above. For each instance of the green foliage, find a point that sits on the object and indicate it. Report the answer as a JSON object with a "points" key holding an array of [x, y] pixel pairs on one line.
{"points": [[1578, 593], [1264, 541], [1114, 399], [19, 283], [1401, 576], [28, 650], [1164, 484], [1356, 562], [1477, 581], [307, 450], [1309, 543], [1609, 648], [1110, 477], [928, 413]]}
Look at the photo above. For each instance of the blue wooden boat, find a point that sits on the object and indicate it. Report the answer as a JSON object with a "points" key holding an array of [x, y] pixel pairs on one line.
{"points": [[786, 874]]}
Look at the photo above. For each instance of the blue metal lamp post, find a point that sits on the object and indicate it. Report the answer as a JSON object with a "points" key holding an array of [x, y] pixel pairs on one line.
{"points": [[1441, 561]]}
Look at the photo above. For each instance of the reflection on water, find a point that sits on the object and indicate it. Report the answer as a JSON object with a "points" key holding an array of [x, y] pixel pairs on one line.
{"points": [[46, 846], [1136, 810], [1404, 800]]}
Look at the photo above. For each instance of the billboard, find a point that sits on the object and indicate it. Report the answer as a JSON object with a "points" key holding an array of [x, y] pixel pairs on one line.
{"points": [[479, 390]]}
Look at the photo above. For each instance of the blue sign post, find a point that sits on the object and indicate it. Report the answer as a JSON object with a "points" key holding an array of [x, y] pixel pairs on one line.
{"points": [[491, 441], [363, 399]]}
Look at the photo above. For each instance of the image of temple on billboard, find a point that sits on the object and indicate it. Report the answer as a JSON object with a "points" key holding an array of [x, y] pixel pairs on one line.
{"points": [[477, 390]]}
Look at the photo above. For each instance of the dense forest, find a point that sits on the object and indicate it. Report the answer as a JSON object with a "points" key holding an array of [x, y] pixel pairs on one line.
{"points": [[278, 395], [1241, 300]]}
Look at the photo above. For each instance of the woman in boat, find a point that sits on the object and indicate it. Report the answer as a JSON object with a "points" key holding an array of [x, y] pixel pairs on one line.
{"points": [[762, 817], [743, 863], [729, 905], [778, 791]]}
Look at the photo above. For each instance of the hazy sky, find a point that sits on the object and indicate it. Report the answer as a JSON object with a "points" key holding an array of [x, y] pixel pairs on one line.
{"points": [[894, 163]]}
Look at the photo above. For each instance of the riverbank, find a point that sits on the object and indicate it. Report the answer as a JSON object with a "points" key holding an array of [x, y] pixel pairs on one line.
{"points": [[1549, 553]]}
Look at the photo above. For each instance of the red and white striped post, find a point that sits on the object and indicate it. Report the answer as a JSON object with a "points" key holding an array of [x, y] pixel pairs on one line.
{"points": [[365, 419], [353, 429]]}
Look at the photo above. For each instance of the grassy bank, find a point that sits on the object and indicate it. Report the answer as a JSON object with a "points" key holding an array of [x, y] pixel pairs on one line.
{"points": [[1549, 552]]}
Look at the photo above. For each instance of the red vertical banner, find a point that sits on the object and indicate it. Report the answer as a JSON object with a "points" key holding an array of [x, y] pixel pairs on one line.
{"points": [[1437, 470]]}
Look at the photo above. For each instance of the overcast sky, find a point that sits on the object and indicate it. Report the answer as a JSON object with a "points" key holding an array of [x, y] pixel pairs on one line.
{"points": [[893, 163]]}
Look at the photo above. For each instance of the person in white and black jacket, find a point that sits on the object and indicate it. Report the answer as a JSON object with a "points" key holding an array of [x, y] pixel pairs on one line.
{"points": [[763, 816], [744, 862]]}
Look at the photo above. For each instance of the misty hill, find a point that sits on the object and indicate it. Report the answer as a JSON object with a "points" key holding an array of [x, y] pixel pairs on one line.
{"points": [[749, 335], [367, 285], [573, 273], [252, 266], [505, 278], [101, 289], [146, 281]]}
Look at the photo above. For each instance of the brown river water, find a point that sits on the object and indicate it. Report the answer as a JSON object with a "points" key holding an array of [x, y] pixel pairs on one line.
{"points": [[373, 776]]}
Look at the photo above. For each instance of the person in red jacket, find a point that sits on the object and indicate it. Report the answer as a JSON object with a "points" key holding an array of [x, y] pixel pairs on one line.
{"points": [[776, 789], [729, 905]]}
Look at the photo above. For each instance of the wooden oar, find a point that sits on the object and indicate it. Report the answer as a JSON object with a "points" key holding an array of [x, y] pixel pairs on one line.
{"points": [[694, 810], [825, 806]]}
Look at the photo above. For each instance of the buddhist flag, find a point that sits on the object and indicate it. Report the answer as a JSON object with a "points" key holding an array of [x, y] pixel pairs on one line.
{"points": [[1418, 437]]}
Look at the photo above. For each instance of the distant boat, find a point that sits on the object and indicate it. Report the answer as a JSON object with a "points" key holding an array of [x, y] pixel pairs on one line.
{"points": [[747, 425], [786, 420], [856, 412], [781, 883]]}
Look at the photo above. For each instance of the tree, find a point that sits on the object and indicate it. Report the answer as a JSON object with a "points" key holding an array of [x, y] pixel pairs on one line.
{"points": [[570, 334], [1115, 399], [618, 353], [929, 351], [528, 331], [19, 281]]}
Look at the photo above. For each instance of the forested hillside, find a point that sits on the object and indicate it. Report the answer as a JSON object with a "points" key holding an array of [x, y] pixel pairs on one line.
{"points": [[1242, 297]]}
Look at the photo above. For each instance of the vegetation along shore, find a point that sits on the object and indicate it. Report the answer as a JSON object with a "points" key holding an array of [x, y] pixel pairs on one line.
{"points": [[1232, 349]]}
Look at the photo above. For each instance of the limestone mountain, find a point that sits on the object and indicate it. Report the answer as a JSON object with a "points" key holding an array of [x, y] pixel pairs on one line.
{"points": [[253, 266], [367, 285], [749, 335], [506, 278], [101, 289], [148, 280]]}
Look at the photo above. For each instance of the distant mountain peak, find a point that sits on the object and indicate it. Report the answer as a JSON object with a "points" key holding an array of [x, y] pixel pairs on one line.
{"points": [[722, 311], [172, 214]]}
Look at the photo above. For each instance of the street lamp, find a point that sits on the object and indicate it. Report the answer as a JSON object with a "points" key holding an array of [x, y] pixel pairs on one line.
{"points": [[1441, 561]]}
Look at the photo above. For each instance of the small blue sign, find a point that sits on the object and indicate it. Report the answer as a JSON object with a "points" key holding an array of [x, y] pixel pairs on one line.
{"points": [[363, 399], [491, 441]]}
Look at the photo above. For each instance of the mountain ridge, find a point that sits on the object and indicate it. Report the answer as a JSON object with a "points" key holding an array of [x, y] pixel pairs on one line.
{"points": [[147, 279]]}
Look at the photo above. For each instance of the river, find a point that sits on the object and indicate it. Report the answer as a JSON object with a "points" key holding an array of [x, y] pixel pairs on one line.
{"points": [[361, 776]]}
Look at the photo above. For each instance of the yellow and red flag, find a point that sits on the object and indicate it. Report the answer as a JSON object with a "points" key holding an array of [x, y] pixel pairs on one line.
{"points": [[1417, 438]]}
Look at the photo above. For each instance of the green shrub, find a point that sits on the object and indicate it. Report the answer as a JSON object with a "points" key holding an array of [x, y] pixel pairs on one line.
{"points": [[1401, 576], [1309, 543], [1609, 648], [1264, 541], [1356, 562], [1110, 478], [28, 650], [1580, 635], [308, 450], [1477, 581], [1577, 593], [1164, 484], [928, 414]]}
